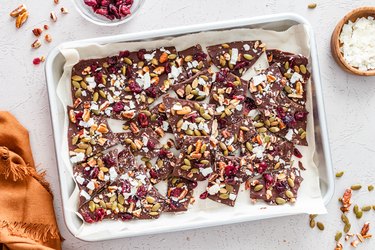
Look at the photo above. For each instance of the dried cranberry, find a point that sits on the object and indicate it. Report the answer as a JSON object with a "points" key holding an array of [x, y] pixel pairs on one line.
{"points": [[142, 191], [222, 123], [110, 17], [112, 60], [99, 214], [91, 3], [124, 53], [229, 84], [105, 3], [118, 107], [167, 68], [79, 116], [87, 218], [134, 87], [36, 61], [128, 2], [199, 56], [280, 112], [126, 188], [203, 195], [109, 161], [113, 9], [141, 54], [299, 116], [143, 120], [230, 170], [221, 75], [281, 186], [262, 167], [250, 104], [124, 10], [129, 72], [102, 11], [125, 217], [290, 121], [198, 165], [176, 192], [297, 153], [153, 174], [98, 77], [151, 145], [91, 173], [268, 179], [163, 153], [240, 65], [151, 92], [174, 204]]}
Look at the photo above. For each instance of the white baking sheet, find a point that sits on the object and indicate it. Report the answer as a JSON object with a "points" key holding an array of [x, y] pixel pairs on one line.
{"points": [[203, 212]]}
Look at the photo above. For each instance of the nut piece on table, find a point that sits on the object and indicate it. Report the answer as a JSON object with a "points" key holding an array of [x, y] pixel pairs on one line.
{"points": [[21, 19], [64, 10], [37, 31], [53, 16], [18, 11], [48, 38], [36, 44]]}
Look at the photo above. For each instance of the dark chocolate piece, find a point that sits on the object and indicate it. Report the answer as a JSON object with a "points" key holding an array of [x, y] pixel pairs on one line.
{"points": [[228, 94], [194, 60], [126, 160], [163, 167], [87, 135], [188, 118], [226, 140], [224, 182], [276, 188], [194, 162], [196, 88], [94, 174], [179, 194], [236, 56]]}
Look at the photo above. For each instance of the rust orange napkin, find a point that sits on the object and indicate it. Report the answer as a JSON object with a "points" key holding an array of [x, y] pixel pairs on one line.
{"points": [[27, 217]]}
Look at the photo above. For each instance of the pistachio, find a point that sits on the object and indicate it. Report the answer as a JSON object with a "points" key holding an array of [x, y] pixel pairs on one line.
{"points": [[249, 147], [303, 69], [274, 129], [370, 188], [289, 194], [224, 196], [347, 227], [155, 207], [205, 162], [312, 5], [150, 199], [95, 96], [248, 57], [128, 61], [188, 58], [359, 214], [344, 219], [225, 46], [356, 187], [366, 208], [185, 167], [172, 56], [92, 206], [258, 187], [223, 146], [290, 182], [187, 162], [312, 223], [259, 124], [320, 225], [280, 201], [206, 116], [338, 236], [76, 85], [153, 213], [339, 174], [78, 93]]}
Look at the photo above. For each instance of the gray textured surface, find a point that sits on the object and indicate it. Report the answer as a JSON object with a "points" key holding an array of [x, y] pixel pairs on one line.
{"points": [[349, 101]]}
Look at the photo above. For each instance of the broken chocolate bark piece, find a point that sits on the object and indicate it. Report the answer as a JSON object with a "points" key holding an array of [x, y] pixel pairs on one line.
{"points": [[228, 94], [194, 60], [162, 167], [179, 194], [238, 57], [224, 182], [286, 119], [194, 162], [266, 86], [159, 120], [265, 151], [126, 160], [95, 173], [226, 140], [87, 135], [188, 118], [142, 142], [294, 68], [276, 188], [196, 88]]}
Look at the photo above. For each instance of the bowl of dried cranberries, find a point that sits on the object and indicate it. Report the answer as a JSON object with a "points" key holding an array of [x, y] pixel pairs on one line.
{"points": [[108, 12]]}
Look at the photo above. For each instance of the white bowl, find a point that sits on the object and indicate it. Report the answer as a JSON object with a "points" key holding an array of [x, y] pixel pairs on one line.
{"points": [[88, 13]]}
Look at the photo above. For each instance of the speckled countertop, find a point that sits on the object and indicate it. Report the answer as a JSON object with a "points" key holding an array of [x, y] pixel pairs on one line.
{"points": [[349, 103]]}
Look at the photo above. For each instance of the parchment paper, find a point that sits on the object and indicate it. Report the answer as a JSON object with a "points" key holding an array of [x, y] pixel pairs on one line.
{"points": [[203, 212]]}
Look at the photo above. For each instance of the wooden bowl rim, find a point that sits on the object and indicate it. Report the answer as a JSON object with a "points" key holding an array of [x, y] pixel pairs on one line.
{"points": [[336, 42]]}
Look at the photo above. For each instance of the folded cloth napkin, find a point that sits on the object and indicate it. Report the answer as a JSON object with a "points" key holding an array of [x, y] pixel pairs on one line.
{"points": [[27, 217]]}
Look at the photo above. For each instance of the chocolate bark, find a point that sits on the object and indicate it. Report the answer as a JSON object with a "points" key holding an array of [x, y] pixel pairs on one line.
{"points": [[194, 60], [179, 194]]}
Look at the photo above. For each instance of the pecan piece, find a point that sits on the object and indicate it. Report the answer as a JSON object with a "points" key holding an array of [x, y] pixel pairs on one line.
{"points": [[21, 19], [18, 11]]}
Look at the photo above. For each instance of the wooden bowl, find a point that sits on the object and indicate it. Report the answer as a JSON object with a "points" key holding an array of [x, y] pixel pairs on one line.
{"points": [[335, 42]]}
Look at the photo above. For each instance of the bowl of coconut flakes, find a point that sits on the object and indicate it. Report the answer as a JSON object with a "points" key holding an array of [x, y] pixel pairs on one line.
{"points": [[353, 42]]}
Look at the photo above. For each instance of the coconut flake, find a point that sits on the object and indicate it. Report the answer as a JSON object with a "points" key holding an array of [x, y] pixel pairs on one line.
{"points": [[205, 171], [85, 194], [234, 57], [258, 79], [213, 189], [289, 135]]}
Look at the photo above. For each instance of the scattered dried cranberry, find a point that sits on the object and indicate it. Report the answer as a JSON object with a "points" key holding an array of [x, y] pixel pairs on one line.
{"points": [[299, 116], [203, 195], [79, 116], [199, 56], [151, 145], [280, 112], [87, 218], [167, 68], [111, 9], [109, 161], [126, 187], [99, 214], [297, 153], [290, 121], [125, 217], [141, 54], [151, 92], [37, 61], [124, 53], [91, 173], [222, 123], [176, 192], [118, 107], [143, 120], [98, 77], [163, 153], [221, 75], [281, 186], [230, 170], [262, 167], [249, 104], [134, 87], [240, 65], [153, 174], [141, 191], [268, 179], [193, 184]]}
